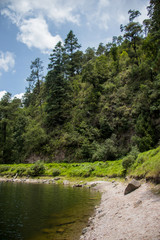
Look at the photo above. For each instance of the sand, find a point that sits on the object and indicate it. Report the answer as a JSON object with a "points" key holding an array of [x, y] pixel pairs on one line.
{"points": [[135, 216]]}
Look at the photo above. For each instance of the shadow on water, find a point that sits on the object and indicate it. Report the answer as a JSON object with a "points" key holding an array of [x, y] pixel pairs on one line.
{"points": [[44, 212]]}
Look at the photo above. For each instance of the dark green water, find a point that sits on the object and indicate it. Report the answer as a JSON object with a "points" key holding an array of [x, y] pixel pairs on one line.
{"points": [[44, 212]]}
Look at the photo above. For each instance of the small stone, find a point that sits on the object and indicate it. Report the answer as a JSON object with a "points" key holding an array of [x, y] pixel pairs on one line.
{"points": [[66, 182], [93, 185], [78, 185], [99, 211], [84, 231], [139, 202]]}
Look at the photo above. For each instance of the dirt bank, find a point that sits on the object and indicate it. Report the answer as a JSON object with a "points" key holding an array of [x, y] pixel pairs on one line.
{"points": [[135, 216]]}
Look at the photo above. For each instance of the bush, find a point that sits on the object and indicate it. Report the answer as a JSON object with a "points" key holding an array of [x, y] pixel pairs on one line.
{"points": [[4, 168], [20, 171], [56, 172], [105, 151], [37, 169], [128, 161]]}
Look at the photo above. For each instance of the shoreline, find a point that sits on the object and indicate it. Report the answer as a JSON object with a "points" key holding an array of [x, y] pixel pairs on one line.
{"points": [[135, 216], [57, 180]]}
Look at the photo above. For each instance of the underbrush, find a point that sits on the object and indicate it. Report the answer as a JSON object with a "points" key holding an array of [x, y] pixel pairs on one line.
{"points": [[137, 165], [84, 170], [147, 165]]}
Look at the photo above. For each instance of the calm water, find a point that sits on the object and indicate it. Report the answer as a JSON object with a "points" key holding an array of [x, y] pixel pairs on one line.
{"points": [[44, 212]]}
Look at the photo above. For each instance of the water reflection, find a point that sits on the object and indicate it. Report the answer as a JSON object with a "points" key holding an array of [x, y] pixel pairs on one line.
{"points": [[42, 212]]}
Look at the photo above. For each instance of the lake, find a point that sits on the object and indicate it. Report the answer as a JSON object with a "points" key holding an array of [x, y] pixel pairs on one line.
{"points": [[44, 211]]}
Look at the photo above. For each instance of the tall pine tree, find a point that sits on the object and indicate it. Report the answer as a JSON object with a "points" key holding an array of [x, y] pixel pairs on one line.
{"points": [[56, 87]]}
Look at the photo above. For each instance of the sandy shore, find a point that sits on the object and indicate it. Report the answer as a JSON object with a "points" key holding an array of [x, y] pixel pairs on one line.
{"points": [[135, 216]]}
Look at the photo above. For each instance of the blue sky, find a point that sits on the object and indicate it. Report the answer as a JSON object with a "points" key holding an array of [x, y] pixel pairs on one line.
{"points": [[31, 28]]}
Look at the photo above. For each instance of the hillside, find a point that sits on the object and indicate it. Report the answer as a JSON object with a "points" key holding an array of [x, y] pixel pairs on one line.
{"points": [[97, 105]]}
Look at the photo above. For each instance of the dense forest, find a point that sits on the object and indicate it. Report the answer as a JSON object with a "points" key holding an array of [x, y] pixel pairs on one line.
{"points": [[96, 105]]}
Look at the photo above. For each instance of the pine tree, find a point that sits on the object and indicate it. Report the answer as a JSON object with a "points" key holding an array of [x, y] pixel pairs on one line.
{"points": [[56, 88], [72, 55]]}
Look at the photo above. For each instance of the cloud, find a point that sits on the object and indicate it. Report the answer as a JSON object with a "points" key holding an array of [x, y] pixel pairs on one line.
{"points": [[20, 95], [121, 18], [32, 17], [56, 10], [7, 61], [34, 33], [2, 93], [144, 14]]}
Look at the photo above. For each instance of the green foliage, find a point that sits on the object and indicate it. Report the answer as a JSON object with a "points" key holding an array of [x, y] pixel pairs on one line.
{"points": [[129, 160], [8, 114], [82, 170], [92, 106], [21, 171], [4, 168], [34, 137], [36, 169], [55, 172], [147, 164], [105, 151]]}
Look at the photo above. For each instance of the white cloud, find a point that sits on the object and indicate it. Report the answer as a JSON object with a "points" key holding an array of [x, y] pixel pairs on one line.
{"points": [[20, 95], [32, 16], [121, 19], [103, 3], [144, 14], [57, 10], [7, 61], [98, 15], [2, 93], [34, 33]]}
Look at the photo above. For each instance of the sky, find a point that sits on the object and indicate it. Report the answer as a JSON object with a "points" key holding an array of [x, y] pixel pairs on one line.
{"points": [[31, 29]]}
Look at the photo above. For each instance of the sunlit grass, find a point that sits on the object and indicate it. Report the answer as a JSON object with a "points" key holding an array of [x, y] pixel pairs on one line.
{"points": [[82, 170], [147, 164]]}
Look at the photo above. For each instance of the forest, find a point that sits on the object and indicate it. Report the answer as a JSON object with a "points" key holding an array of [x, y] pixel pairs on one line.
{"points": [[97, 105]]}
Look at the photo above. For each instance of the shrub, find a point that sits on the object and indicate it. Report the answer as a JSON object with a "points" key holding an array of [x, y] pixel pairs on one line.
{"points": [[56, 172], [36, 169], [128, 161], [20, 171], [13, 169], [105, 151], [4, 168]]}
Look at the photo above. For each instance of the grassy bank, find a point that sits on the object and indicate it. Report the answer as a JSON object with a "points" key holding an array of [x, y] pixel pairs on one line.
{"points": [[145, 165], [84, 170]]}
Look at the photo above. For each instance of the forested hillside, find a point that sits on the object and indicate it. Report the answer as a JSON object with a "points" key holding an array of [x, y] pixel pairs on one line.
{"points": [[96, 105]]}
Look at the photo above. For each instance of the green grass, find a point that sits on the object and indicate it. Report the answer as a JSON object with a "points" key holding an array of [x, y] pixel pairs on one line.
{"points": [[82, 170], [146, 165]]}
